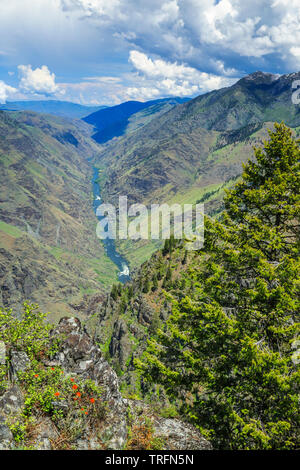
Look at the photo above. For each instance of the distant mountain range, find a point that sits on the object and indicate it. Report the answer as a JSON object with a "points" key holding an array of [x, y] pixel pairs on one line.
{"points": [[57, 108], [118, 120], [169, 150], [173, 149], [108, 121], [49, 252], [196, 150]]}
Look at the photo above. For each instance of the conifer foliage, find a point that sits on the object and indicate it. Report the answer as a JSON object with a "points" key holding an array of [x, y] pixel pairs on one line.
{"points": [[226, 354]]}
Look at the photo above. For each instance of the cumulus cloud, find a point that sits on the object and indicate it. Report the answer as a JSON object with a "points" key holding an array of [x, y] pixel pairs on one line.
{"points": [[195, 31], [161, 78], [38, 81], [150, 78], [6, 92], [181, 47]]}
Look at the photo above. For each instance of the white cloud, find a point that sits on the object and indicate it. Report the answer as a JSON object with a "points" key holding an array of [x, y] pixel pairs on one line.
{"points": [[39, 80], [161, 78], [220, 66], [149, 79], [6, 92], [181, 47], [295, 51], [104, 9], [194, 31], [159, 68], [95, 91], [103, 79]]}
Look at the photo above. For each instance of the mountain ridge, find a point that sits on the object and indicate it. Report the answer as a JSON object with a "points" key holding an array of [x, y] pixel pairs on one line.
{"points": [[113, 121], [49, 250], [55, 107], [197, 147]]}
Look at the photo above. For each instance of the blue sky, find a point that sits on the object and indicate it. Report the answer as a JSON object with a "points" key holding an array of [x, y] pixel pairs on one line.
{"points": [[109, 51]]}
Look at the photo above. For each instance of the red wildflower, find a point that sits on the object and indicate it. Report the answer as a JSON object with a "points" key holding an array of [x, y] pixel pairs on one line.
{"points": [[92, 400], [52, 368], [36, 375], [72, 380], [78, 394], [57, 394], [86, 412], [75, 387]]}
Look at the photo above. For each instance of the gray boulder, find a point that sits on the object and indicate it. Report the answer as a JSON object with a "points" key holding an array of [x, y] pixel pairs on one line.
{"points": [[19, 362]]}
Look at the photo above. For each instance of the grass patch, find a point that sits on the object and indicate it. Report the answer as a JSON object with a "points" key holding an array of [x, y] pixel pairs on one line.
{"points": [[10, 230]]}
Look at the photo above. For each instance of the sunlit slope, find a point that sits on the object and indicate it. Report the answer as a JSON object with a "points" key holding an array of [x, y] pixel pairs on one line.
{"points": [[49, 250], [196, 150]]}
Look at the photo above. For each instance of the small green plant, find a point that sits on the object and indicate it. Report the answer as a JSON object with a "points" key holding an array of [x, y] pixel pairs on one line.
{"points": [[169, 412], [3, 378], [18, 429], [69, 401], [30, 333]]}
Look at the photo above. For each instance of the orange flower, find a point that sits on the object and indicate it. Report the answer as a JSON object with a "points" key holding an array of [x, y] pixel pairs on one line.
{"points": [[86, 412], [78, 394], [92, 400], [52, 368], [72, 380], [57, 394], [36, 375], [75, 387], [82, 409]]}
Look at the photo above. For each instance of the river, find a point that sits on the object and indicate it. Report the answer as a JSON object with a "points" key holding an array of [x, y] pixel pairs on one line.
{"points": [[109, 244]]}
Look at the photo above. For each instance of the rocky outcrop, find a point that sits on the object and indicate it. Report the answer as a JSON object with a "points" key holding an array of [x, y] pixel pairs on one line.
{"points": [[120, 344], [179, 435], [79, 356], [143, 311], [11, 404], [48, 238], [173, 433], [18, 363]]}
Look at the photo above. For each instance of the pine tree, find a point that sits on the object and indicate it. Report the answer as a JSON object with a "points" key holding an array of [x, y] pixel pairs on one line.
{"points": [[226, 353], [155, 323], [169, 274], [146, 287], [172, 243], [130, 291], [154, 283], [114, 292]]}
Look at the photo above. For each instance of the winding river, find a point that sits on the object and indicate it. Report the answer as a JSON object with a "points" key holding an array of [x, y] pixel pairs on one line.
{"points": [[109, 244]]}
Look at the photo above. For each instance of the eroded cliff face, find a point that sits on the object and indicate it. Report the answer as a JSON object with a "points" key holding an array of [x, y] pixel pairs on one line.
{"points": [[49, 252], [123, 325], [114, 422]]}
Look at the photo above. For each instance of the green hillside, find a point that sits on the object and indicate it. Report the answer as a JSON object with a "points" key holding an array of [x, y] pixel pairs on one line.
{"points": [[49, 250], [119, 120], [196, 150], [212, 335]]}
